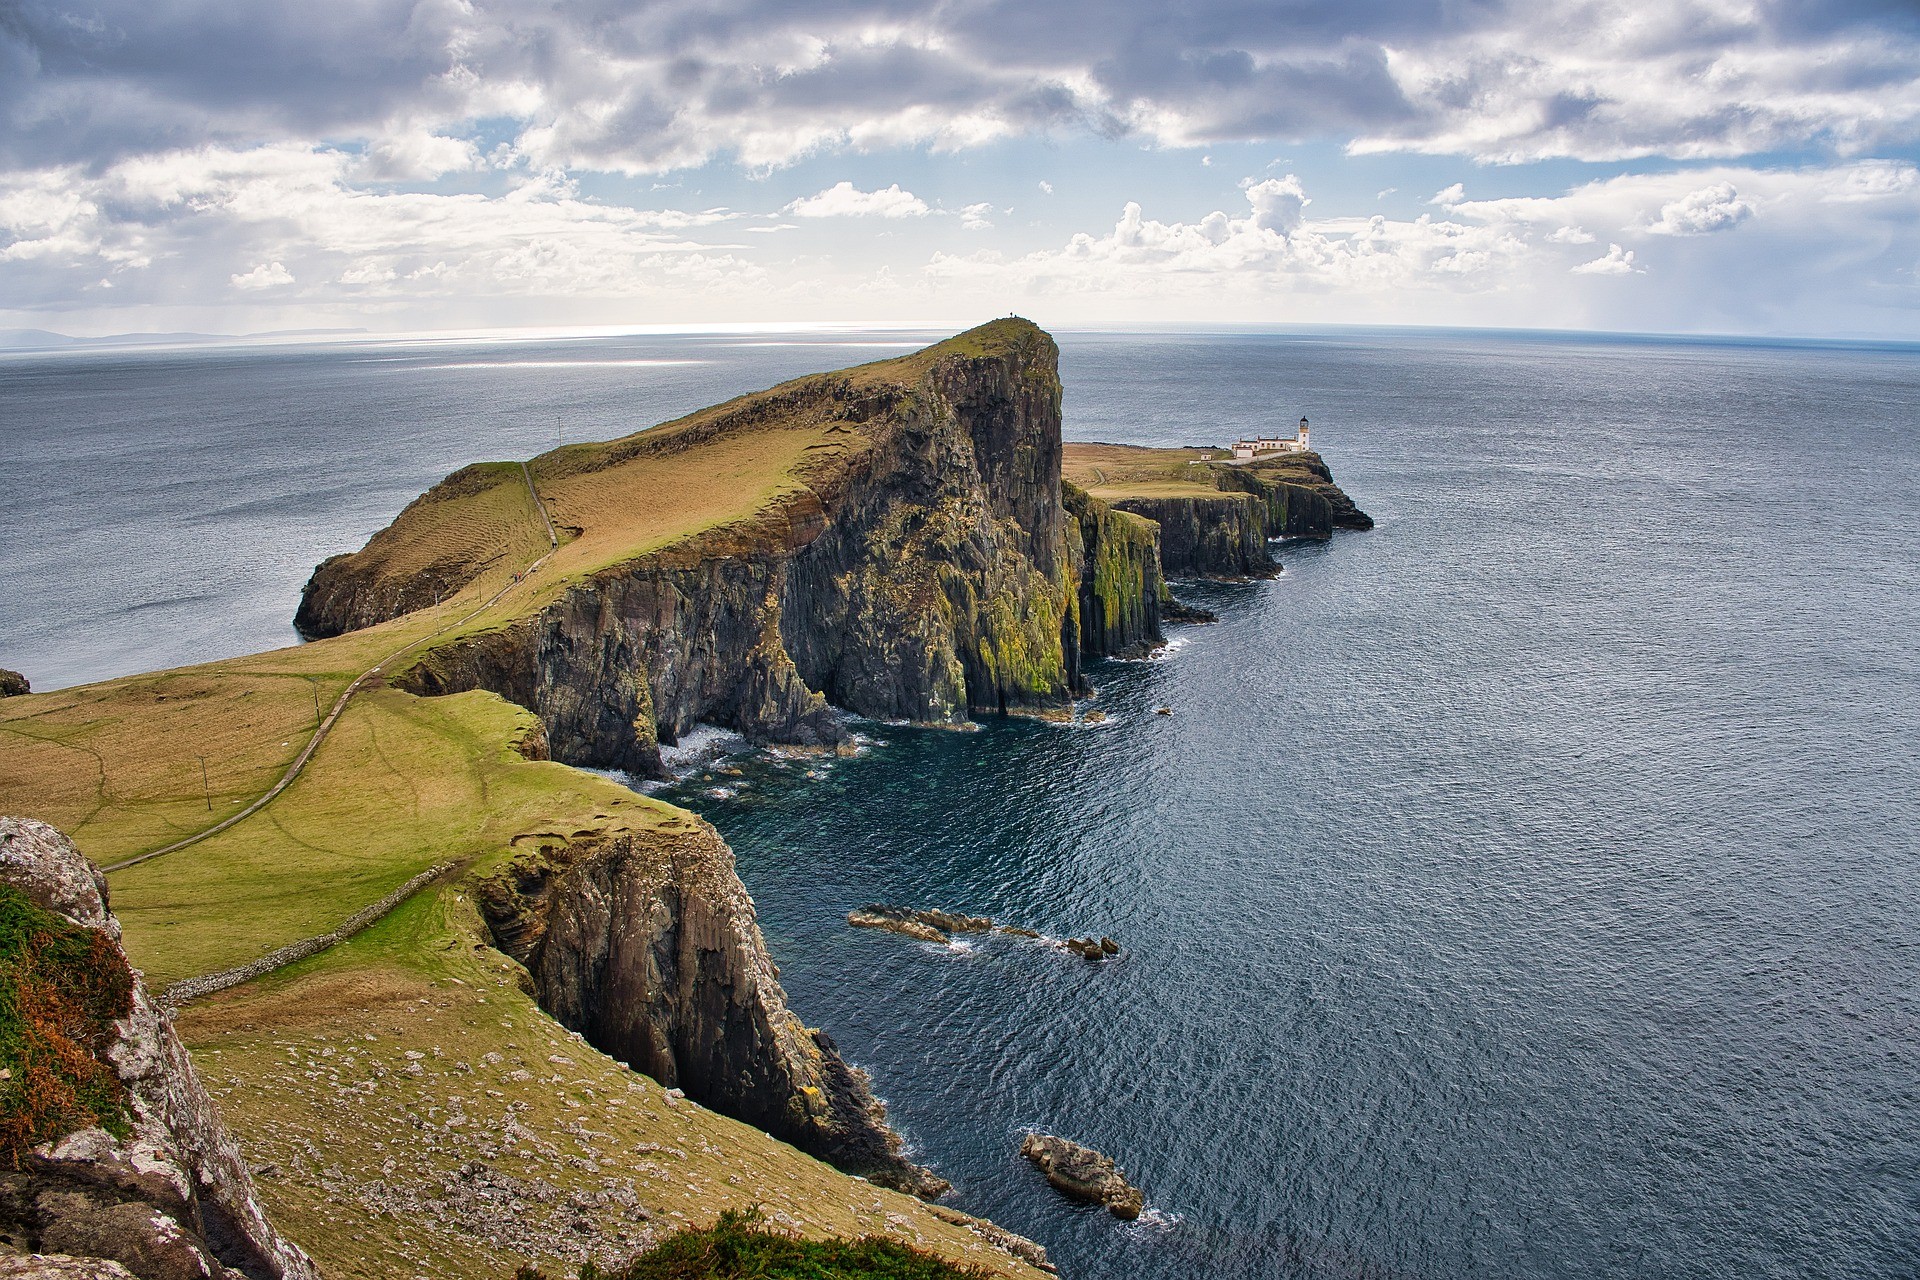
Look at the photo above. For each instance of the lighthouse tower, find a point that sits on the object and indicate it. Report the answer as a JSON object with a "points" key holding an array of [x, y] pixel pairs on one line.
{"points": [[1300, 438]]}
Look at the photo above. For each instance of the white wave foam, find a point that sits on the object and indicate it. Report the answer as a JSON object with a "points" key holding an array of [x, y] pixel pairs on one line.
{"points": [[703, 744]]}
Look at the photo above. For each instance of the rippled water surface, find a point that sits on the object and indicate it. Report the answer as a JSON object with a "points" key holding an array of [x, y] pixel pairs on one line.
{"points": [[1526, 888]]}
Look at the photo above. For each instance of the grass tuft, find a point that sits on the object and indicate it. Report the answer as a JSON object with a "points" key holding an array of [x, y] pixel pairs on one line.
{"points": [[740, 1247], [62, 987]]}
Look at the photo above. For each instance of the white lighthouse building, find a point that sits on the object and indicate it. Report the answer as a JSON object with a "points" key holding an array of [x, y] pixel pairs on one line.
{"points": [[1262, 446]]}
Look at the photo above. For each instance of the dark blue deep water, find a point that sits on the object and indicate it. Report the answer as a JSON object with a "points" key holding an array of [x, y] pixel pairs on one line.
{"points": [[1526, 888]]}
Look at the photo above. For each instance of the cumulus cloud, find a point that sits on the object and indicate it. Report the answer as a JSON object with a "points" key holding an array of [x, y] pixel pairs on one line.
{"points": [[1834, 258], [1450, 196], [293, 224], [1268, 245], [974, 218], [1618, 262], [268, 275], [844, 200], [1279, 204], [1702, 212], [419, 155]]}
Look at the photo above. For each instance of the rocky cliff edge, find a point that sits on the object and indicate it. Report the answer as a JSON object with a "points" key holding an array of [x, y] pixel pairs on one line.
{"points": [[116, 1157]]}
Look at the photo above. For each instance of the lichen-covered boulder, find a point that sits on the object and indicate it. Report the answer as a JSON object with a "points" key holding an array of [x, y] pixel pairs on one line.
{"points": [[113, 1155]]}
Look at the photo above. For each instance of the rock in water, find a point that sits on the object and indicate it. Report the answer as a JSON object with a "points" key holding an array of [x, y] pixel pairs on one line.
{"points": [[1084, 1174], [13, 684], [928, 926], [118, 1155]]}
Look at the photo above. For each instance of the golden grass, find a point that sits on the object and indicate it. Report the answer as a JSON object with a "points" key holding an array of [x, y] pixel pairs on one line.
{"points": [[117, 765], [402, 784], [646, 502], [1109, 471], [291, 1061], [480, 519]]}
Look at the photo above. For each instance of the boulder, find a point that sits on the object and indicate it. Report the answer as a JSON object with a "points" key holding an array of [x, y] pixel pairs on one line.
{"points": [[1084, 1174], [13, 684]]}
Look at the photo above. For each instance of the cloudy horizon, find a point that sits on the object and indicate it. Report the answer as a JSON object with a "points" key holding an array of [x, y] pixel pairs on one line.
{"points": [[1697, 166]]}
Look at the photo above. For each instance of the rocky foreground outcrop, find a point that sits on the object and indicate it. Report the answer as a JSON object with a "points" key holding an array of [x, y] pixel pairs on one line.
{"points": [[13, 684], [1084, 1174], [646, 944], [116, 1157]]}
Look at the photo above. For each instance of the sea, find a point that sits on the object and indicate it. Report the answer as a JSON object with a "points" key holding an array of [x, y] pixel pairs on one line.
{"points": [[1528, 888]]}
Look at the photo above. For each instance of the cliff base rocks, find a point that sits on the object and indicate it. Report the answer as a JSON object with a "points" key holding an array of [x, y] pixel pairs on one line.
{"points": [[1084, 1174]]}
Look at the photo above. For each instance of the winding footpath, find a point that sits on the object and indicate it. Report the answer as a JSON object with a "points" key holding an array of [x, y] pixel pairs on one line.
{"points": [[364, 679]]}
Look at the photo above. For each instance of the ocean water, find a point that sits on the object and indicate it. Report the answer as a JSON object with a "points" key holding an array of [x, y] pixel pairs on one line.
{"points": [[1525, 888]]}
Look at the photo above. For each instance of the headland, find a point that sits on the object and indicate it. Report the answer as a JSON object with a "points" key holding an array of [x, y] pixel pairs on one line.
{"points": [[576, 1020]]}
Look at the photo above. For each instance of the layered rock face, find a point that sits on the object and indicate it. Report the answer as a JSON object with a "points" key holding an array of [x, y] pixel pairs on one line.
{"points": [[1118, 559], [161, 1190], [926, 573], [1226, 534], [1209, 536], [1301, 499], [647, 945]]}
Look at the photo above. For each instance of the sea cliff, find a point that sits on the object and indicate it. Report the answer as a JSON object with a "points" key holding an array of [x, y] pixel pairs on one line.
{"points": [[1217, 518], [918, 566], [894, 540], [646, 944]]}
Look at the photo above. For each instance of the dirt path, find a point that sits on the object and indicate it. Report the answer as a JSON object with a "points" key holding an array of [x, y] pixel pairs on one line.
{"points": [[365, 678]]}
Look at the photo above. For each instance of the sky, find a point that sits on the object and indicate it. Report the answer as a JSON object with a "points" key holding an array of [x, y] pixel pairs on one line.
{"points": [[1699, 166]]}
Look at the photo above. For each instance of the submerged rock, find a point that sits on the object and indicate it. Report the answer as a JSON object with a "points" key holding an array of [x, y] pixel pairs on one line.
{"points": [[928, 926], [122, 1166], [1084, 1174], [1100, 948]]}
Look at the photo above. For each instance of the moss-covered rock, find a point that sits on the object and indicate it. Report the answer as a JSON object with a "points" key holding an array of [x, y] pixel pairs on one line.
{"points": [[740, 1247], [112, 1147]]}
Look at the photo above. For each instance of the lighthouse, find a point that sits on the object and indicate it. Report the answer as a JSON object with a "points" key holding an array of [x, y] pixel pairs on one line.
{"points": [[1300, 438]]}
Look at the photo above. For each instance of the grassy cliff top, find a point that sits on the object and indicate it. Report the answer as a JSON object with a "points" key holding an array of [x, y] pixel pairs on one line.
{"points": [[734, 466], [1113, 472], [422, 1116]]}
